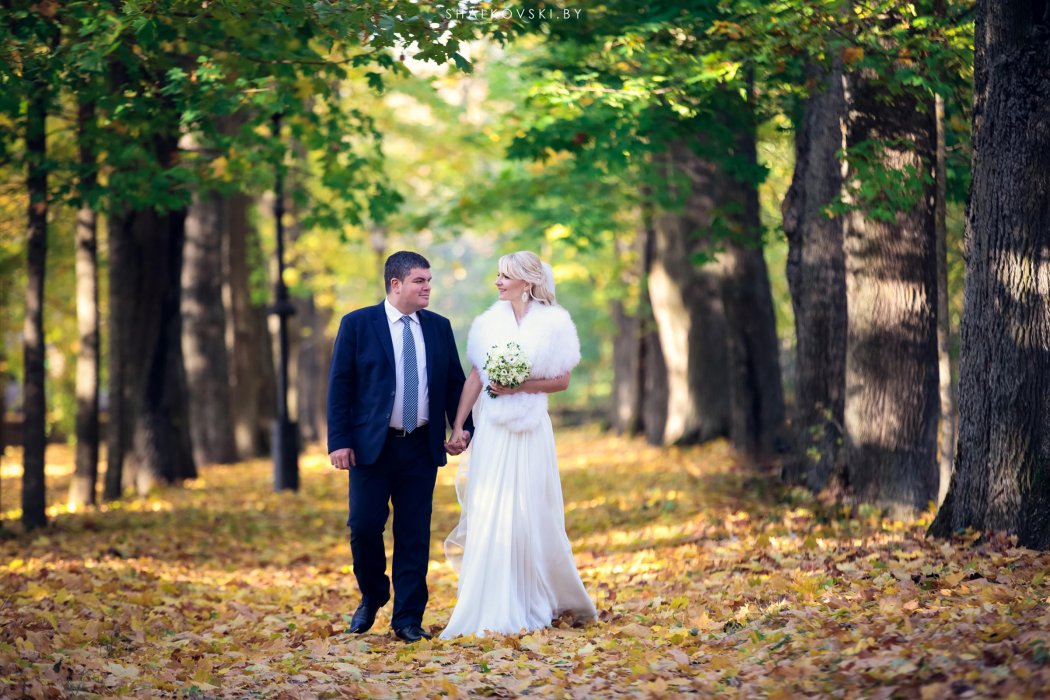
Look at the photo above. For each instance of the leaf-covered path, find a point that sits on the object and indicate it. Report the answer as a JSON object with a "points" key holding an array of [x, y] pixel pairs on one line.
{"points": [[708, 578]]}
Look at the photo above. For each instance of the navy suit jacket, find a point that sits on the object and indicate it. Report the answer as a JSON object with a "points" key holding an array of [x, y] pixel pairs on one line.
{"points": [[361, 383]]}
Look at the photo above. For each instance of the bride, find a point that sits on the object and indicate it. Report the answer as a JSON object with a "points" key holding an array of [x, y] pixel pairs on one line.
{"points": [[516, 570]]}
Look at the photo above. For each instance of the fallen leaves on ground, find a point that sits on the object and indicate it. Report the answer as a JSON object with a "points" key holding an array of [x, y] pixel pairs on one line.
{"points": [[710, 579]]}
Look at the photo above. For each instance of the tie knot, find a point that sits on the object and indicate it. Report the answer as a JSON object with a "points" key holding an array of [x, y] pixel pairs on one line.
{"points": [[406, 320]]}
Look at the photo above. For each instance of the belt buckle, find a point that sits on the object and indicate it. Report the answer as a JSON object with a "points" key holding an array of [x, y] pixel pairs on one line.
{"points": [[400, 432]]}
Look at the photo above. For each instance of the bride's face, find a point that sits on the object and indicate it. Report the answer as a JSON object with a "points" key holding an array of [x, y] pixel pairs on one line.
{"points": [[510, 289]]}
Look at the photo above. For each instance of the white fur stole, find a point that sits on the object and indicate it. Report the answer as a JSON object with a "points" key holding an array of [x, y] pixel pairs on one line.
{"points": [[548, 338]]}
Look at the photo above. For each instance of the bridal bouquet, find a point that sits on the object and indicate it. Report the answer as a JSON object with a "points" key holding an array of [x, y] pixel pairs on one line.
{"points": [[506, 365]]}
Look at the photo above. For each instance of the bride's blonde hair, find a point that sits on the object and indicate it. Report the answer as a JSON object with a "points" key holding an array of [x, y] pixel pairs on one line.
{"points": [[527, 266]]}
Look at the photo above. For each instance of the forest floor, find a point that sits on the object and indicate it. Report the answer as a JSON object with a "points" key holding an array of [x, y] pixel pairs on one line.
{"points": [[710, 579]]}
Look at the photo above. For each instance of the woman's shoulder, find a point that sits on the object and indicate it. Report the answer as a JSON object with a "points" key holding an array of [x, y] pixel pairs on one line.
{"points": [[493, 314], [552, 314]]}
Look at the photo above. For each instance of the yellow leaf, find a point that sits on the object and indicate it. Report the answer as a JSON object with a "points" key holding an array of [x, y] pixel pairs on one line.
{"points": [[852, 54]]}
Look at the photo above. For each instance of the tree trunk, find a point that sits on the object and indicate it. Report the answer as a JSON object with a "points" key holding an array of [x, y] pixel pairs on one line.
{"points": [[652, 371], [311, 369], [252, 379], [204, 333], [629, 317], [756, 415], [686, 301], [946, 427], [891, 407], [34, 426], [816, 274], [308, 348], [85, 477], [161, 435], [1002, 467], [150, 413], [120, 397], [625, 414]]}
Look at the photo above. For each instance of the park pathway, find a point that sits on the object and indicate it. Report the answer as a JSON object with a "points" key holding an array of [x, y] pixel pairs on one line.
{"points": [[710, 580]]}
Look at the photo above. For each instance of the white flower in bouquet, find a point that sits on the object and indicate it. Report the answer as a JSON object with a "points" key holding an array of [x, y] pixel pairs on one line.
{"points": [[506, 365]]}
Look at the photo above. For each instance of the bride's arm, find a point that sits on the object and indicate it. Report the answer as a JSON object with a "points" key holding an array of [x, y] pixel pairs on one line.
{"points": [[467, 399], [536, 386]]}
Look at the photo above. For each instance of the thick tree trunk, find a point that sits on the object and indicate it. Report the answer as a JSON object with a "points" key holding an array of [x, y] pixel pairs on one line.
{"points": [[34, 426], [1002, 468], [686, 301], [120, 397], [891, 408], [148, 397], [85, 477], [756, 415], [625, 415], [653, 377], [161, 432], [655, 389], [252, 379], [816, 274], [204, 333], [946, 427]]}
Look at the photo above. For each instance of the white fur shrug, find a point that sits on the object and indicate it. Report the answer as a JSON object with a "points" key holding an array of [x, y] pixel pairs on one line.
{"points": [[548, 337]]}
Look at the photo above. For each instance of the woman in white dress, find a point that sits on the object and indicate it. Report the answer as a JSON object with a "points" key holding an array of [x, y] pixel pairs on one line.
{"points": [[515, 563]]}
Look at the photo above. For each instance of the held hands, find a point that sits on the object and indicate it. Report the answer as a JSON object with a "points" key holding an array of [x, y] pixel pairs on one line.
{"points": [[343, 458], [458, 442]]}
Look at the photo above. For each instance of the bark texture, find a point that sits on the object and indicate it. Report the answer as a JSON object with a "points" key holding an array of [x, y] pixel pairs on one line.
{"points": [[204, 333], [85, 476], [816, 274], [150, 337], [652, 381], [756, 415], [687, 306], [891, 404], [1002, 467], [34, 426], [153, 416], [252, 379], [946, 427], [310, 380], [625, 415]]}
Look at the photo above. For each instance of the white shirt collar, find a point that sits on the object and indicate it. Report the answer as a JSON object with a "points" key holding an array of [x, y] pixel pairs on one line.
{"points": [[394, 316]]}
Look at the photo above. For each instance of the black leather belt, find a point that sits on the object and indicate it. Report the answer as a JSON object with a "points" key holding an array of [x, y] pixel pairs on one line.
{"points": [[402, 433]]}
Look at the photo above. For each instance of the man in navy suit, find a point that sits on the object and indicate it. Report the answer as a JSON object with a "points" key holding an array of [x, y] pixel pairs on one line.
{"points": [[395, 378]]}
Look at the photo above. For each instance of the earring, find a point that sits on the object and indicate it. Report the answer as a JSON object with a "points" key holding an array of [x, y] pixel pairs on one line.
{"points": [[524, 296]]}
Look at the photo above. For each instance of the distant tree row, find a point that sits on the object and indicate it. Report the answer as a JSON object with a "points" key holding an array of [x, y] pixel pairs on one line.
{"points": [[171, 106], [658, 110]]}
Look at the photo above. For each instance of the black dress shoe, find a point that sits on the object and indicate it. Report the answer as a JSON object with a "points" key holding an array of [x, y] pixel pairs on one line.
{"points": [[411, 633], [364, 617]]}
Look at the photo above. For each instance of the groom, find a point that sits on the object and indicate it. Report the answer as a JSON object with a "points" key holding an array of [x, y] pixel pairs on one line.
{"points": [[395, 377]]}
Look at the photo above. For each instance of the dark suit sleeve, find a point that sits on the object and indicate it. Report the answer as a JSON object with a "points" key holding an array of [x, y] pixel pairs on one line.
{"points": [[341, 387], [456, 379]]}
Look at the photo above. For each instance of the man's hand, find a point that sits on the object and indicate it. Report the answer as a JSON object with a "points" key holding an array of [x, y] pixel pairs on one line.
{"points": [[343, 458]]}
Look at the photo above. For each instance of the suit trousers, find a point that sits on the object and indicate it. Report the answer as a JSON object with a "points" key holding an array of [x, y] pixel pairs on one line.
{"points": [[404, 476]]}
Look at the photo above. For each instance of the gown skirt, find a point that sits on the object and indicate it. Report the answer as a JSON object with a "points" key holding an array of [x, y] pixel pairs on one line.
{"points": [[515, 562]]}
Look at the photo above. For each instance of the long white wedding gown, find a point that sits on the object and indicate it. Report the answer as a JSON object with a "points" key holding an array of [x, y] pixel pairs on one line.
{"points": [[515, 562]]}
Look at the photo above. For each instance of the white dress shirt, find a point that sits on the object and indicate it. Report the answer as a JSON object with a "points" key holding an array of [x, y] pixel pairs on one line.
{"points": [[396, 334]]}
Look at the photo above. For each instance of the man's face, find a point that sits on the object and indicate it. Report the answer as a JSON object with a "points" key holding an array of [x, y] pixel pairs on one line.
{"points": [[412, 293]]}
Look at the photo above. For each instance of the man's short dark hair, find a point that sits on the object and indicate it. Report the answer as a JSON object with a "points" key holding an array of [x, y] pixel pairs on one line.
{"points": [[400, 264]]}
